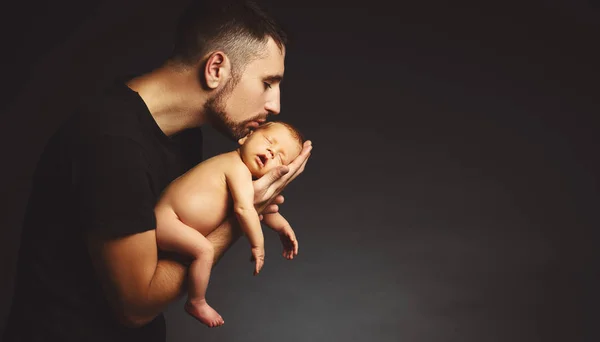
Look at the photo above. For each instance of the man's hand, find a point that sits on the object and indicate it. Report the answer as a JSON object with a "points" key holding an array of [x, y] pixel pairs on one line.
{"points": [[268, 187]]}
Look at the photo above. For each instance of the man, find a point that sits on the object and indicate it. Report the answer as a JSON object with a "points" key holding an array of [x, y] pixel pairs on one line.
{"points": [[89, 269]]}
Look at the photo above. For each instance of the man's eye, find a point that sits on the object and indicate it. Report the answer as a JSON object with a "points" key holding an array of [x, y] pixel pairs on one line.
{"points": [[267, 85]]}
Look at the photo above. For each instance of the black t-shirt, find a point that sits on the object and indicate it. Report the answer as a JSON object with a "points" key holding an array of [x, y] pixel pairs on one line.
{"points": [[103, 170]]}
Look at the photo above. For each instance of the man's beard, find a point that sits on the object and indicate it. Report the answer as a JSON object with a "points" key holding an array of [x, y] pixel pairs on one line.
{"points": [[214, 108]]}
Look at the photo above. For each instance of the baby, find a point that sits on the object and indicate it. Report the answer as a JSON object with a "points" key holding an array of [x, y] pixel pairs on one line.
{"points": [[197, 202]]}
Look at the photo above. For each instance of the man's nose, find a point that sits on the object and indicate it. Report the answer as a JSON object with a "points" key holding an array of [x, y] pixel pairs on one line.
{"points": [[273, 105]]}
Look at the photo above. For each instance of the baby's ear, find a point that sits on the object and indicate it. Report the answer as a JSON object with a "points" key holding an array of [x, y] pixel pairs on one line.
{"points": [[243, 140]]}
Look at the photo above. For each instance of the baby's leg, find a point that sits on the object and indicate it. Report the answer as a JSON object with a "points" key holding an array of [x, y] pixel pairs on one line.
{"points": [[173, 235]]}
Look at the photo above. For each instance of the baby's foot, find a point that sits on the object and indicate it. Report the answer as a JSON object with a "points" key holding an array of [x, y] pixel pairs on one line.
{"points": [[204, 313]]}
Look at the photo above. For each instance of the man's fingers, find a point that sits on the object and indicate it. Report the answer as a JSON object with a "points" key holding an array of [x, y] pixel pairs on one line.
{"points": [[299, 171], [302, 157], [272, 176], [271, 209], [279, 172], [268, 186], [297, 163], [278, 200], [304, 163], [294, 172], [297, 166], [281, 175]]}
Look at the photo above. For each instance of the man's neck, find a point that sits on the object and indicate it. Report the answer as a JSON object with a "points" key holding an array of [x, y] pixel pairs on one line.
{"points": [[173, 96]]}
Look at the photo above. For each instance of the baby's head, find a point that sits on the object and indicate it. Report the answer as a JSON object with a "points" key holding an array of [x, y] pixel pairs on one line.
{"points": [[270, 145]]}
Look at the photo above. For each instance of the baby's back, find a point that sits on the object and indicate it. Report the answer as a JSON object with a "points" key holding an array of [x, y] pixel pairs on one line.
{"points": [[200, 197]]}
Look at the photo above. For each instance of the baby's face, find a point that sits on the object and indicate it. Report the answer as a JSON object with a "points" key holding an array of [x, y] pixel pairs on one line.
{"points": [[267, 148]]}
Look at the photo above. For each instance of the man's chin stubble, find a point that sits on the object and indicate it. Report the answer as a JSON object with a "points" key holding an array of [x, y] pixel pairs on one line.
{"points": [[219, 121]]}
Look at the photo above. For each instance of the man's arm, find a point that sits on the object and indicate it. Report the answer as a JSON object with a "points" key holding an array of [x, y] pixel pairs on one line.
{"points": [[224, 237], [138, 285], [115, 201]]}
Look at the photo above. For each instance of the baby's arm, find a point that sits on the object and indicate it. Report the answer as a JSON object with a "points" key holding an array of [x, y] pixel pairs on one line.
{"points": [[239, 182], [276, 222], [286, 234]]}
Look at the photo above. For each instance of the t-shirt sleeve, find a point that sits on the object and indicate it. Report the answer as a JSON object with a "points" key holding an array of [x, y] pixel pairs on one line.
{"points": [[112, 187]]}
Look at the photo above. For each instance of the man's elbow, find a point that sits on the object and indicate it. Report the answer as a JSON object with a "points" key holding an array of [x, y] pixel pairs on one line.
{"points": [[133, 320], [131, 315]]}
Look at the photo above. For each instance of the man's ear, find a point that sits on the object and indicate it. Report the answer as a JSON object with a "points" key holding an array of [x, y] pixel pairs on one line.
{"points": [[217, 69]]}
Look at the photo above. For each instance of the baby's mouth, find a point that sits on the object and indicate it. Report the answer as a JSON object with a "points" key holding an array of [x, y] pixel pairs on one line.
{"points": [[263, 159]]}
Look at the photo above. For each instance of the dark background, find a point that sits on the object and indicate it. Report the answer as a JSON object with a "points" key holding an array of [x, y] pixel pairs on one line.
{"points": [[452, 192]]}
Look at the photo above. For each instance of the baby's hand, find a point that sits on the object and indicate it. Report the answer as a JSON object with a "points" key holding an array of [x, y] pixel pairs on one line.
{"points": [[258, 255], [289, 242]]}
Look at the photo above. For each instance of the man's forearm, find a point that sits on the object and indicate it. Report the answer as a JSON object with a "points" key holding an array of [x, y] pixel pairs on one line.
{"points": [[169, 280], [168, 283], [224, 237]]}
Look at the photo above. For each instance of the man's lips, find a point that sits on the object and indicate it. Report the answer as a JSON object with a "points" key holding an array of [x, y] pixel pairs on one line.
{"points": [[256, 123]]}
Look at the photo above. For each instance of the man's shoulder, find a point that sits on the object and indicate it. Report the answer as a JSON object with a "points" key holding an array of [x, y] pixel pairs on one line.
{"points": [[114, 111]]}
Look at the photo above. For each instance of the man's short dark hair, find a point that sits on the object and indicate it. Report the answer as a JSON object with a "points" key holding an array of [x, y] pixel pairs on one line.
{"points": [[238, 28]]}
